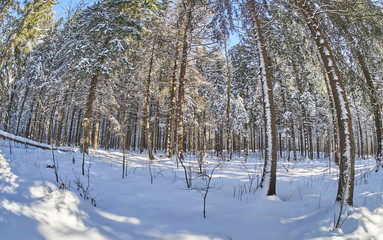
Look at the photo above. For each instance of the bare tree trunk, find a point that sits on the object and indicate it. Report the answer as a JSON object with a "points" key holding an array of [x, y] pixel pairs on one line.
{"points": [[346, 137], [108, 130], [97, 124], [67, 116], [61, 119], [147, 106], [173, 100], [372, 93], [124, 122], [269, 109], [228, 86], [334, 122], [27, 129], [9, 110], [181, 91], [87, 123], [34, 125], [78, 128], [51, 119], [41, 128]]}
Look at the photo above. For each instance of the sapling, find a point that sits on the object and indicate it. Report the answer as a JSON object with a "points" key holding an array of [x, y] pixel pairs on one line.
{"points": [[204, 190], [188, 182], [84, 189]]}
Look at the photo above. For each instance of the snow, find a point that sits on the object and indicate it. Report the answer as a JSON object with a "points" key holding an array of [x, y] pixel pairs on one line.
{"points": [[268, 116], [132, 208], [31, 142]]}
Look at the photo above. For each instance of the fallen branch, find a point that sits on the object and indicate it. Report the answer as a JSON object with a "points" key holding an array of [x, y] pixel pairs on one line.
{"points": [[32, 143]]}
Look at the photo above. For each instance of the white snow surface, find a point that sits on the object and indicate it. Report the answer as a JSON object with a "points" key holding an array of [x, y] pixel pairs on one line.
{"points": [[32, 206]]}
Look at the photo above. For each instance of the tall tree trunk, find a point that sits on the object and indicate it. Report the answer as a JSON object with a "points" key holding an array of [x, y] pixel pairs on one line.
{"points": [[346, 137], [173, 100], [9, 110], [78, 127], [87, 123], [124, 122], [37, 111], [71, 134], [51, 120], [372, 93], [21, 110], [147, 106], [97, 124], [228, 87], [270, 167], [108, 130], [61, 119], [181, 91], [334, 121]]}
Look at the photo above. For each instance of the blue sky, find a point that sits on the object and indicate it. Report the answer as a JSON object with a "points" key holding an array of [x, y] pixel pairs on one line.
{"points": [[60, 8]]}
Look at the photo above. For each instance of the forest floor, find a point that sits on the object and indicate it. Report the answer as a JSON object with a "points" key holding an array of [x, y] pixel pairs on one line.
{"points": [[155, 203]]}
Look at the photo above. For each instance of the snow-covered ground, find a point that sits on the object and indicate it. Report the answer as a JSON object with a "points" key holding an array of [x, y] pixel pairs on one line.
{"points": [[34, 206]]}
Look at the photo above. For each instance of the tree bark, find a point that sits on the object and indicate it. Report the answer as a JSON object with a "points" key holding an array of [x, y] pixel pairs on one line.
{"points": [[228, 87], [61, 119], [87, 123], [147, 106], [173, 101], [270, 166], [97, 124], [346, 137], [181, 91]]}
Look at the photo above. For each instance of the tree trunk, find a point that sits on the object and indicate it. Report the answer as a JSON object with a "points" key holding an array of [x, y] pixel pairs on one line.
{"points": [[372, 93], [97, 124], [228, 121], [108, 131], [173, 101], [61, 119], [181, 91], [78, 127], [21, 110], [51, 119], [87, 123], [346, 137], [270, 166], [147, 106]]}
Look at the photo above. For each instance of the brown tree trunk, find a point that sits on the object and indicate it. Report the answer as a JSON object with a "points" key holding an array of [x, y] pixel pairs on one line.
{"points": [[108, 131], [97, 124], [173, 101], [61, 119], [334, 122], [270, 168], [87, 123], [147, 106], [51, 120], [181, 91], [228, 86]]}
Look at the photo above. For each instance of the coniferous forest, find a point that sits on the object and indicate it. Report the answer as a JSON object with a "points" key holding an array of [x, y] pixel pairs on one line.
{"points": [[199, 82]]}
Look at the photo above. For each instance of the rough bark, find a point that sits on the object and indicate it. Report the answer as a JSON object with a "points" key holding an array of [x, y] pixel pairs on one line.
{"points": [[61, 119], [267, 88], [147, 106], [228, 87], [181, 91], [173, 101], [346, 137], [97, 125]]}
